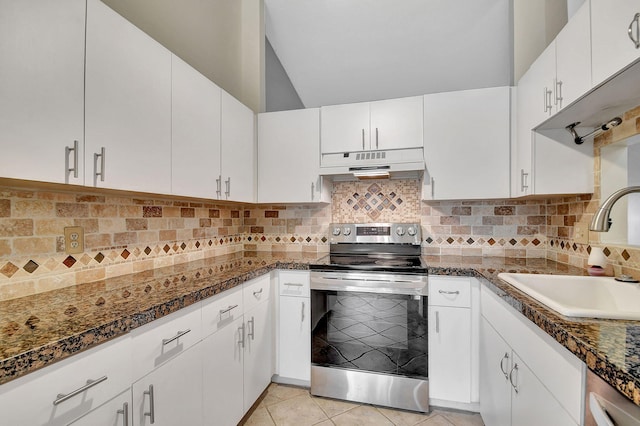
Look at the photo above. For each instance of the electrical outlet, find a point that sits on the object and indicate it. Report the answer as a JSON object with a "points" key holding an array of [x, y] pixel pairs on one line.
{"points": [[74, 239], [581, 233]]}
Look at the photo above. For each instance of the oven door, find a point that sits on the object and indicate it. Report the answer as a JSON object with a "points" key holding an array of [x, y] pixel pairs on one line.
{"points": [[369, 338]]}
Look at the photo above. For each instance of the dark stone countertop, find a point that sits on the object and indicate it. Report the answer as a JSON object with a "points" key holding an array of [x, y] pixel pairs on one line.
{"points": [[39, 330]]}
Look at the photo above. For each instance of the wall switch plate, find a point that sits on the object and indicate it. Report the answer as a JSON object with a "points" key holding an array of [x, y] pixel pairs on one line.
{"points": [[581, 233], [74, 239]]}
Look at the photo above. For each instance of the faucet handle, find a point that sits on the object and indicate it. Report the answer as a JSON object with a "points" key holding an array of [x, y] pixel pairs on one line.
{"points": [[626, 279]]}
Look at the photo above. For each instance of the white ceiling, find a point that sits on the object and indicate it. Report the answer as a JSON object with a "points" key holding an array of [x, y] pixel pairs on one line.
{"points": [[343, 51]]}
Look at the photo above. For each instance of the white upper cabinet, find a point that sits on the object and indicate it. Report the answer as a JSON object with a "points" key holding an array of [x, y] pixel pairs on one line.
{"points": [[396, 123], [466, 144], [289, 146], [573, 59], [238, 168], [389, 124], [42, 90], [128, 105], [195, 132], [612, 28]]}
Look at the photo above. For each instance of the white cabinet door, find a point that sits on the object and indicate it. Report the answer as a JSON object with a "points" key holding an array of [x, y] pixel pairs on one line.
{"points": [[611, 47], [116, 412], [450, 353], [396, 123], [238, 151], [345, 128], [535, 103], [127, 105], [257, 352], [495, 389], [222, 375], [42, 89], [195, 132], [289, 157], [531, 403], [294, 349], [573, 58], [469, 161], [171, 394]]}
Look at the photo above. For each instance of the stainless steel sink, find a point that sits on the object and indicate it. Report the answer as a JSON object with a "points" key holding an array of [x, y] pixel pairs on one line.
{"points": [[580, 296]]}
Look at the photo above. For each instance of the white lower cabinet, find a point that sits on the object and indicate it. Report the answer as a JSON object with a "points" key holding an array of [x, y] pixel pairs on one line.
{"points": [[222, 371], [169, 395], [294, 328], [453, 342], [116, 412], [69, 389], [526, 377]]}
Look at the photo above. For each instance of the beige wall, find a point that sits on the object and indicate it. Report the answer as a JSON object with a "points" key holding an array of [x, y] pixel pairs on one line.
{"points": [[223, 39], [535, 24]]}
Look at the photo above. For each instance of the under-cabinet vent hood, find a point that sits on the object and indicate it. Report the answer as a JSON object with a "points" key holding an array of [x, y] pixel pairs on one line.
{"points": [[395, 163]]}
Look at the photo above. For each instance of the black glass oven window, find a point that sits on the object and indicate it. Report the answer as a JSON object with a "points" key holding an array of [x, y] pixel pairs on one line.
{"points": [[381, 333]]}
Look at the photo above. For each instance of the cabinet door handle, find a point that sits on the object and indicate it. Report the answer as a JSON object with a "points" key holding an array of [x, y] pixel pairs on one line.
{"points": [[125, 414], [241, 329], [363, 139], [558, 89], [437, 322], [228, 186], [376, 138], [302, 312], [547, 100], [68, 149], [636, 40], [224, 311], [312, 190], [100, 156], [252, 329], [523, 181], [502, 368], [514, 370], [448, 292], [219, 186], [176, 337], [433, 188], [152, 408], [61, 397]]}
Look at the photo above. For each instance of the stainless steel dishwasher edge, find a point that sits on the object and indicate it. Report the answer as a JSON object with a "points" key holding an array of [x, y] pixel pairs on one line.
{"points": [[605, 406]]}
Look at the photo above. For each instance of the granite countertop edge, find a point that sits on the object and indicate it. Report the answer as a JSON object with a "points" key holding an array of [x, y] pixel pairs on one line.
{"points": [[551, 323]]}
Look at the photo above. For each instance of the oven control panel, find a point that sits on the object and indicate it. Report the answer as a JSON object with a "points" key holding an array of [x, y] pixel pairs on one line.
{"points": [[390, 233]]}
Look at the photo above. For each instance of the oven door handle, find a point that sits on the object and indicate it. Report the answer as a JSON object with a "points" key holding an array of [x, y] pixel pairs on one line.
{"points": [[387, 286], [370, 280]]}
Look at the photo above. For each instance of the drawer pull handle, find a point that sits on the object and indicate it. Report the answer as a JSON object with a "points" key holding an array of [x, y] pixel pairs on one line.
{"points": [[294, 284], [224, 311], [448, 292], [257, 292], [176, 337], [504, 370], [152, 408], [125, 414], [90, 383]]}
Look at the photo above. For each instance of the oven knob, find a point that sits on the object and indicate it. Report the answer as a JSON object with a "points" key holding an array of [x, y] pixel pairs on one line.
{"points": [[400, 231], [336, 232], [346, 232], [411, 231]]}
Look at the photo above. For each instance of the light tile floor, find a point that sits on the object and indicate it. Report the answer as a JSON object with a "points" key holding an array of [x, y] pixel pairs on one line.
{"points": [[292, 406]]}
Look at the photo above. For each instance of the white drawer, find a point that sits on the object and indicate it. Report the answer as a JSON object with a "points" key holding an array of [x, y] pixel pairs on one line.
{"points": [[159, 341], [450, 291], [255, 291], [221, 310], [294, 283], [29, 400]]}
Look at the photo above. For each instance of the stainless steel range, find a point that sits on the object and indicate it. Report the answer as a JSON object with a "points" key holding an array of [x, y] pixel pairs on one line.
{"points": [[369, 317]]}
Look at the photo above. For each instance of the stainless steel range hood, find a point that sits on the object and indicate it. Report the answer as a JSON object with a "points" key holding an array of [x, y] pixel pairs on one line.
{"points": [[382, 164]]}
